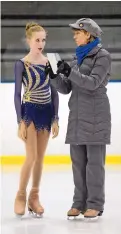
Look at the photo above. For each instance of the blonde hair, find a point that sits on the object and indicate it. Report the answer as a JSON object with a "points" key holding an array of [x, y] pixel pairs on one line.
{"points": [[32, 27]]}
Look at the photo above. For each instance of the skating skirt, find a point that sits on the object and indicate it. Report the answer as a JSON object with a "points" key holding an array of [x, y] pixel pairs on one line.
{"points": [[42, 115]]}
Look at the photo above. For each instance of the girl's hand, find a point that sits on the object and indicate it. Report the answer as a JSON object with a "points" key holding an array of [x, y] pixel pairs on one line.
{"points": [[49, 71], [22, 131], [55, 129]]}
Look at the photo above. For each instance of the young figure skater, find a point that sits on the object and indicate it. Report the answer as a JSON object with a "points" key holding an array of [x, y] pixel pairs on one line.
{"points": [[89, 122], [36, 116]]}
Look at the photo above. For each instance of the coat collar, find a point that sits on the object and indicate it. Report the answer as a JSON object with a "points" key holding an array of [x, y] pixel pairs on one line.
{"points": [[94, 50]]}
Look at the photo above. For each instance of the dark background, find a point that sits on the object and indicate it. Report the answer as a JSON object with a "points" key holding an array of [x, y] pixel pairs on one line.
{"points": [[55, 17]]}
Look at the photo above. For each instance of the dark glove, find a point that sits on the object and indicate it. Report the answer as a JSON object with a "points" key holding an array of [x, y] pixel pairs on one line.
{"points": [[63, 68], [59, 63], [49, 71]]}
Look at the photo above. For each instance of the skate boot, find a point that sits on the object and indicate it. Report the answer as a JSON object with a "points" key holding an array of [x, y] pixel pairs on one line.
{"points": [[92, 214], [34, 206], [73, 212], [20, 203]]}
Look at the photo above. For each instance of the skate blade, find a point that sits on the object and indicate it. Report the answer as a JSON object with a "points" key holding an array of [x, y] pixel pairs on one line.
{"points": [[91, 219], [75, 217], [19, 216], [72, 217], [35, 215]]}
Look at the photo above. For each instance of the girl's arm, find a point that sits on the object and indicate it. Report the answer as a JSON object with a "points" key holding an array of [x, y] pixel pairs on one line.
{"points": [[55, 101], [18, 72]]}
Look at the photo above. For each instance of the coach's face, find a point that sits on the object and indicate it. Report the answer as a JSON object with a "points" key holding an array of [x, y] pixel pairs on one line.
{"points": [[81, 37]]}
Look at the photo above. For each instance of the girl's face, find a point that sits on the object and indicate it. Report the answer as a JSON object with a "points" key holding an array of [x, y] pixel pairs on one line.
{"points": [[81, 37], [37, 41]]}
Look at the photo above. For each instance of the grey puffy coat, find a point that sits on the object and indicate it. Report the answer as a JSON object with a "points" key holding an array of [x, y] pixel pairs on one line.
{"points": [[89, 119]]}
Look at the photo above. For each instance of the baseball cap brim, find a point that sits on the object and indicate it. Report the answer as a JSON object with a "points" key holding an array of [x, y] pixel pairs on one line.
{"points": [[74, 26]]}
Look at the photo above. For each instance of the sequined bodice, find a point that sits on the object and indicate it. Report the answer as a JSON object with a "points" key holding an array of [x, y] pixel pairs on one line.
{"points": [[36, 84], [40, 98]]}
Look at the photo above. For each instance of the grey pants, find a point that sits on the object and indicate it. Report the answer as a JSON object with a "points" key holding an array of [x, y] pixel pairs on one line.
{"points": [[89, 176]]}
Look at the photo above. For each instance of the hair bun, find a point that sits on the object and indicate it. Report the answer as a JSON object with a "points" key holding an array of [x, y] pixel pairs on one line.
{"points": [[32, 27], [31, 24]]}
